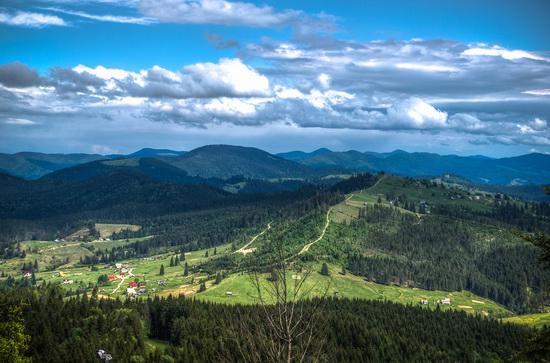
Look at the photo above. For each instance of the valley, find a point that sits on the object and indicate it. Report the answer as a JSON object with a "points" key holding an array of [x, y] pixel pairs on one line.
{"points": [[144, 233]]}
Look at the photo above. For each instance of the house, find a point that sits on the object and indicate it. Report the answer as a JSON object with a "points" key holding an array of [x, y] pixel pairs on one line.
{"points": [[445, 301], [131, 291], [62, 274], [111, 277], [118, 265], [124, 270], [424, 302], [142, 284], [133, 284], [229, 294], [67, 281], [27, 273]]}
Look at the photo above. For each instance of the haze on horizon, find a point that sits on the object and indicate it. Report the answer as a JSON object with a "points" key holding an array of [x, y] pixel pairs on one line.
{"points": [[114, 76]]}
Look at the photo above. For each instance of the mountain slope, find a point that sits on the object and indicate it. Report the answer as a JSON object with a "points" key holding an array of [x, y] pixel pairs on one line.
{"points": [[147, 153], [151, 167], [30, 165], [526, 169], [224, 162]]}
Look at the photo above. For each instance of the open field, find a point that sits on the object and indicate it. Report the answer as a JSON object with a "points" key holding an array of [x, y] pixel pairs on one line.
{"points": [[355, 287], [537, 320], [107, 230]]}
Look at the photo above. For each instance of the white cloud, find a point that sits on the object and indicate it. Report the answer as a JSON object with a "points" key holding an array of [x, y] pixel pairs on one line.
{"points": [[502, 52], [31, 20], [229, 74], [539, 92], [107, 18], [414, 113], [318, 99], [216, 12], [324, 80], [19, 121], [426, 67]]}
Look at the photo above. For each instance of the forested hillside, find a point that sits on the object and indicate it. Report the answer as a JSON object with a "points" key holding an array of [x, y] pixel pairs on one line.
{"points": [[54, 329], [427, 239]]}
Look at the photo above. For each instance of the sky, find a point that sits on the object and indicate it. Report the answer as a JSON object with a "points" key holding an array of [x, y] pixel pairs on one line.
{"points": [[457, 77]]}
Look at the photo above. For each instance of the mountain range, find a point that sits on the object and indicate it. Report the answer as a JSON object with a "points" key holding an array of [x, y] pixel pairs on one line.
{"points": [[224, 162]]}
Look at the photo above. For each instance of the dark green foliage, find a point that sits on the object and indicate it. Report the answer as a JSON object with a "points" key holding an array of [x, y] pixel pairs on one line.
{"points": [[440, 253], [324, 270], [161, 272], [352, 331], [202, 287], [76, 328]]}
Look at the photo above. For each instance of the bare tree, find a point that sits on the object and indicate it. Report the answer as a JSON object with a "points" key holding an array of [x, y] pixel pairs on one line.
{"points": [[291, 320]]}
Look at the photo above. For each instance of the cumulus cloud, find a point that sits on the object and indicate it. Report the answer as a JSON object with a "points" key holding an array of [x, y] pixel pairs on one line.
{"points": [[416, 114], [228, 78], [216, 12], [31, 20], [428, 86], [18, 75]]}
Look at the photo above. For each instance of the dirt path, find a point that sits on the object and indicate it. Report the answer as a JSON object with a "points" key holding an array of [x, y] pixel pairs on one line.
{"points": [[306, 247], [244, 249], [122, 281]]}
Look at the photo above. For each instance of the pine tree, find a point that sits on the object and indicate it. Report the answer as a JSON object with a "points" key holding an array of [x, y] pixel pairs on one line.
{"points": [[186, 270], [218, 278], [161, 272], [202, 287], [215, 251], [343, 270], [172, 261], [324, 270], [206, 253], [177, 261]]}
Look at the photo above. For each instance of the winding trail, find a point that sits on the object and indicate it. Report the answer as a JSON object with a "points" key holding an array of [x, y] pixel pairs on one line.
{"points": [[122, 281], [306, 247], [244, 249]]}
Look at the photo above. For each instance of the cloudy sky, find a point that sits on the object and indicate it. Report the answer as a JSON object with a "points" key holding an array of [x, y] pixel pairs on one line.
{"points": [[459, 77]]}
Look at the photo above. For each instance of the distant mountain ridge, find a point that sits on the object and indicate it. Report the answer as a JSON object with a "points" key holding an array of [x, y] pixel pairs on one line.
{"points": [[226, 161]]}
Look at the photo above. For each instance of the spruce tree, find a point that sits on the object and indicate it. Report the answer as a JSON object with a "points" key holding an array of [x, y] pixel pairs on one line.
{"points": [[186, 270], [161, 272], [172, 261], [324, 270]]}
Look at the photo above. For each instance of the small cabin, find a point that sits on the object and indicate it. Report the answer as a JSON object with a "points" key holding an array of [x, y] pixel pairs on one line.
{"points": [[424, 302], [229, 294]]}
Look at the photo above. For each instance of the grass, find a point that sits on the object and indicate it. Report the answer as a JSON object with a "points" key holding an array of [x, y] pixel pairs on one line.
{"points": [[355, 287], [535, 320], [107, 230]]}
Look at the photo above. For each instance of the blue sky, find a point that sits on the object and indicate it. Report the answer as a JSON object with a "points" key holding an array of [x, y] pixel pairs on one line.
{"points": [[453, 77]]}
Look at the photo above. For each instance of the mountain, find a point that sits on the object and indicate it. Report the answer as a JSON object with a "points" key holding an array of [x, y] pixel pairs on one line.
{"points": [[300, 155], [31, 165], [225, 161], [150, 167], [529, 169], [147, 153]]}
